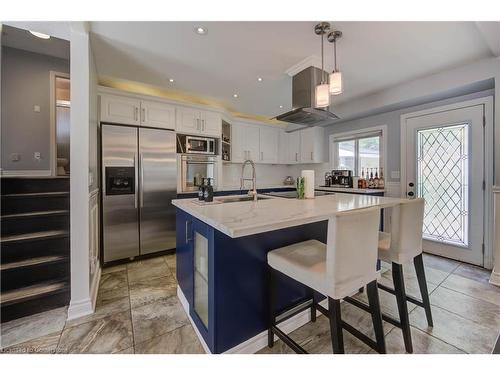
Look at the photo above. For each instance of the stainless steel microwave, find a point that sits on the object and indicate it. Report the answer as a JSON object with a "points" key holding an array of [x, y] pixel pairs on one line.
{"points": [[200, 145]]}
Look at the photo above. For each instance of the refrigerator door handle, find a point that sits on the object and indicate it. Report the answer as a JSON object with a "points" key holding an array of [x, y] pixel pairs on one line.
{"points": [[135, 184], [141, 190]]}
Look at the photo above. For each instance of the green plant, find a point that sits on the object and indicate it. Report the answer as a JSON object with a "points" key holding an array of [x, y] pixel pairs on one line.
{"points": [[300, 186]]}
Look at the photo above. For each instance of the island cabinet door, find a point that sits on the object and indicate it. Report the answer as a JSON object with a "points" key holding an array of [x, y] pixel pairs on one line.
{"points": [[184, 254]]}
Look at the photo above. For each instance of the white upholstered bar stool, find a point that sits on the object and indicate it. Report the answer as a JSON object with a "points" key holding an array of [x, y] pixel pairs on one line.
{"points": [[336, 270], [403, 245]]}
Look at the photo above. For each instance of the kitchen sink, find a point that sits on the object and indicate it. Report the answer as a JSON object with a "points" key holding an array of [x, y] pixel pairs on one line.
{"points": [[239, 199]]}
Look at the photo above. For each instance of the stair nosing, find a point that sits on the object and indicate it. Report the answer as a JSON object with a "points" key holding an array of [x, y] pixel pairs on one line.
{"points": [[64, 286], [36, 261], [35, 214], [36, 195], [34, 236]]}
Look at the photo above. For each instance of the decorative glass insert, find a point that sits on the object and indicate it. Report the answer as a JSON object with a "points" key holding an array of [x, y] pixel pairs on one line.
{"points": [[443, 181]]}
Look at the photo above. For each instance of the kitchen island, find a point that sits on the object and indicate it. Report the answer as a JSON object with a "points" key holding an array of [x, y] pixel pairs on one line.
{"points": [[222, 260]]}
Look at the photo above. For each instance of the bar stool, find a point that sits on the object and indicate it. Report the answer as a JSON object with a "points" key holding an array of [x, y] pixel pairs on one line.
{"points": [[336, 270], [402, 245]]}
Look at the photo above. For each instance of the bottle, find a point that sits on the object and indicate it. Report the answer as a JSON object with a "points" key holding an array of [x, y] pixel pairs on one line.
{"points": [[381, 182], [370, 180], [201, 190], [361, 179], [209, 192], [376, 179]]}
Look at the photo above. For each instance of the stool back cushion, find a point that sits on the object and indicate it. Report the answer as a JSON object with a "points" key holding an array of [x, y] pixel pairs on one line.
{"points": [[406, 230], [351, 256]]}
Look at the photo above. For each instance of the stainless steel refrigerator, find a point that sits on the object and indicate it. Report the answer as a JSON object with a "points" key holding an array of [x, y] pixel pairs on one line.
{"points": [[139, 173]]}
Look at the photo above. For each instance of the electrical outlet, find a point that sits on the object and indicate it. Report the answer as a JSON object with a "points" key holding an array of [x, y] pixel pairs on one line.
{"points": [[15, 157], [37, 156]]}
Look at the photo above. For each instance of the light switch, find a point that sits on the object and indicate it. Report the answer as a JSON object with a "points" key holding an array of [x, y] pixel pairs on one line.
{"points": [[395, 175], [37, 156], [36, 108], [15, 157]]}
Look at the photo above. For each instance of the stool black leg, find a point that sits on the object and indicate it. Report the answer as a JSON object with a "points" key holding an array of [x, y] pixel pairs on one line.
{"points": [[271, 292], [399, 288], [419, 269], [376, 313], [313, 307], [336, 326]]}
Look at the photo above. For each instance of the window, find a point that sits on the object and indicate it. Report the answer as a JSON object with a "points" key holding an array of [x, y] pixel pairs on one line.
{"points": [[358, 152]]}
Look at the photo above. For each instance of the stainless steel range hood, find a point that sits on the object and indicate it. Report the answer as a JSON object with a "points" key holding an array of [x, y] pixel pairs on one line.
{"points": [[303, 99]]}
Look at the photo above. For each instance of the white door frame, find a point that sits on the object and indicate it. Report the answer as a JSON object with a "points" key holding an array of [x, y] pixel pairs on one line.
{"points": [[53, 140], [487, 102]]}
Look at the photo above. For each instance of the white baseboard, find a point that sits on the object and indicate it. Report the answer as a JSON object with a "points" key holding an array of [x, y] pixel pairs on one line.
{"points": [[77, 309], [26, 173], [495, 278], [259, 341]]}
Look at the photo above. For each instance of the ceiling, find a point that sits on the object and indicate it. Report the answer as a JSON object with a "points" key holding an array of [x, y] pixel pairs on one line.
{"points": [[372, 55], [22, 39]]}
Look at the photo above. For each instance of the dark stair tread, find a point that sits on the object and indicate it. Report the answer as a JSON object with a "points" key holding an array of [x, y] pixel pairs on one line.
{"points": [[35, 214], [32, 262], [33, 291], [34, 236], [37, 195]]}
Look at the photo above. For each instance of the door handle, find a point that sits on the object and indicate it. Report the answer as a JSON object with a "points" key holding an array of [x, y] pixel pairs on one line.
{"points": [[135, 183], [141, 190], [143, 114], [136, 113]]}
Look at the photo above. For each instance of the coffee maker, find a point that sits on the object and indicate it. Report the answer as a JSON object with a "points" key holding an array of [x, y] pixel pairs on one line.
{"points": [[341, 178]]}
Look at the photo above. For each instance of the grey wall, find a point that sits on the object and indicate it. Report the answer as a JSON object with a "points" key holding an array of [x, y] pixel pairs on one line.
{"points": [[392, 120], [26, 83]]}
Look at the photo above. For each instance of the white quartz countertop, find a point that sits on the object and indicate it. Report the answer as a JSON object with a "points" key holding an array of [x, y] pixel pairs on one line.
{"points": [[350, 190], [238, 219]]}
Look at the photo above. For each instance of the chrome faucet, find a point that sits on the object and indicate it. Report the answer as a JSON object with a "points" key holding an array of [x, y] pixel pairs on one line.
{"points": [[252, 192]]}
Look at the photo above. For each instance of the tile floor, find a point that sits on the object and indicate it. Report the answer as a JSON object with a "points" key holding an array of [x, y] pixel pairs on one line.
{"points": [[138, 312]]}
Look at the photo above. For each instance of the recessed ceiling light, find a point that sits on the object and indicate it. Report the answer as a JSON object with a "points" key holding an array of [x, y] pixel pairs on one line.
{"points": [[201, 30], [259, 79], [281, 106], [39, 35], [171, 80], [235, 95]]}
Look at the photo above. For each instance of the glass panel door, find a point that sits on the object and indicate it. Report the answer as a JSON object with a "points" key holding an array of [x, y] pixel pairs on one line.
{"points": [[201, 277], [442, 180]]}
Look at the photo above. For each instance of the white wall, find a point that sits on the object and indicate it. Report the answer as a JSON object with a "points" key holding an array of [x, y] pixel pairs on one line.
{"points": [[271, 175]]}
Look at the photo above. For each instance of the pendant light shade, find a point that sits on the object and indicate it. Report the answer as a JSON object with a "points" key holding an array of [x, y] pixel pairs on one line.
{"points": [[322, 96], [335, 83]]}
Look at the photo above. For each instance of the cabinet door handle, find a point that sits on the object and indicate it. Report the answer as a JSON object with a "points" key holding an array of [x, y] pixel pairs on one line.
{"points": [[296, 157], [312, 155], [203, 125], [188, 238], [136, 114], [197, 124], [143, 114], [262, 155]]}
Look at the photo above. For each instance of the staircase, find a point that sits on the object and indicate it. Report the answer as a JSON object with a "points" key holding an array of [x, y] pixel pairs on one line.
{"points": [[35, 246]]}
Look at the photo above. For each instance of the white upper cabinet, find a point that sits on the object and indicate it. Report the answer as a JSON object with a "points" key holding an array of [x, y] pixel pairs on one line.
{"points": [[157, 115], [194, 121], [245, 140], [293, 147], [120, 109], [282, 147], [311, 145], [268, 144]]}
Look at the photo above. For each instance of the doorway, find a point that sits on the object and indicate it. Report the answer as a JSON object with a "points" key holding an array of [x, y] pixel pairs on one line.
{"points": [[60, 85], [444, 161]]}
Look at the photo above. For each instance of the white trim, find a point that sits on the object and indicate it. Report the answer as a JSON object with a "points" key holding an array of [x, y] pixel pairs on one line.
{"points": [[26, 173], [487, 102], [94, 288], [53, 141], [381, 128], [495, 278], [77, 309]]}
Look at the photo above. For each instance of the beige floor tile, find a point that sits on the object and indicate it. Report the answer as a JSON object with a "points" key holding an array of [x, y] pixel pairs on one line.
{"points": [[157, 318], [171, 261], [119, 267], [41, 345], [104, 308], [31, 327], [473, 272], [108, 335], [422, 342], [146, 291], [455, 330], [113, 280], [477, 310], [440, 263], [486, 292], [126, 351], [148, 271], [182, 340], [146, 263]]}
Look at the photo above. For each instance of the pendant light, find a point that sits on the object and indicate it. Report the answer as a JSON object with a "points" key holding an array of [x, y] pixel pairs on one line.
{"points": [[335, 78], [322, 90]]}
